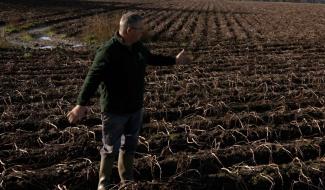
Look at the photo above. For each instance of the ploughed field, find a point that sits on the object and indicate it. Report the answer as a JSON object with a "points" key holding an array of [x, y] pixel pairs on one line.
{"points": [[247, 113]]}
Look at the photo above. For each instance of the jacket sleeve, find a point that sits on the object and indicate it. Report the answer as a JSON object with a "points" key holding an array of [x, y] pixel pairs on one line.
{"points": [[93, 79], [158, 60]]}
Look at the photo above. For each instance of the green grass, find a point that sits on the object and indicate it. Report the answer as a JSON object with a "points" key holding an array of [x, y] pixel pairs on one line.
{"points": [[11, 29], [50, 32], [27, 26], [27, 37]]}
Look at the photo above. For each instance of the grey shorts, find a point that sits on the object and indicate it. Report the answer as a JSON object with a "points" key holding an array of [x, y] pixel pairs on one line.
{"points": [[121, 132]]}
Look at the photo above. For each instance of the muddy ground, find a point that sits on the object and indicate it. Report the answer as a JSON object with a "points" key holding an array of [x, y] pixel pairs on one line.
{"points": [[247, 113]]}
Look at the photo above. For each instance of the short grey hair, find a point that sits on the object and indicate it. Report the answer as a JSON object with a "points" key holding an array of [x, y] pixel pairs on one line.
{"points": [[129, 19]]}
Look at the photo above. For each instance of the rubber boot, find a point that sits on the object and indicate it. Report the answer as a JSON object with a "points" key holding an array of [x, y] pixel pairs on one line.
{"points": [[125, 166], [105, 171]]}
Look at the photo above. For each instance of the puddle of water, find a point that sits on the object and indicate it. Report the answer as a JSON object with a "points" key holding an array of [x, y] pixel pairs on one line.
{"points": [[47, 47], [77, 45], [45, 38]]}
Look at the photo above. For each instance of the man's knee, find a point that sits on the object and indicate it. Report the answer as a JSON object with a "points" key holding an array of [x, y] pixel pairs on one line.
{"points": [[130, 144], [109, 149]]}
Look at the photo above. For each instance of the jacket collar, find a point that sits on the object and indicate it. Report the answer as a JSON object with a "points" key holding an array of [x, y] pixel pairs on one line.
{"points": [[119, 38]]}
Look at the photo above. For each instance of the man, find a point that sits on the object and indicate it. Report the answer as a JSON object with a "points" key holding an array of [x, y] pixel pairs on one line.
{"points": [[119, 70]]}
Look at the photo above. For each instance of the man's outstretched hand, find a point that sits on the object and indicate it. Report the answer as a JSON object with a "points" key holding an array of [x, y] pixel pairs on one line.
{"points": [[182, 58], [77, 113]]}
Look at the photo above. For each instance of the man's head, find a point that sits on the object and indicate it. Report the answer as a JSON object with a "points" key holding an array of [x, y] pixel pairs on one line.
{"points": [[131, 27]]}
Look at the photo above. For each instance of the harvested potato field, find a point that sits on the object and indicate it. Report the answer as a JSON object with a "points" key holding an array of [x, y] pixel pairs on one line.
{"points": [[247, 113]]}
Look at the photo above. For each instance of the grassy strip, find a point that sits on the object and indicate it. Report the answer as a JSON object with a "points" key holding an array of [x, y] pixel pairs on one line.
{"points": [[100, 28], [3, 41]]}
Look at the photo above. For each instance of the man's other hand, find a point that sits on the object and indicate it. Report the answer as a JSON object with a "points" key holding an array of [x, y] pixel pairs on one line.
{"points": [[77, 113]]}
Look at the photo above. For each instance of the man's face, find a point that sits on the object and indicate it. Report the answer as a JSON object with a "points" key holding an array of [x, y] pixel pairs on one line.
{"points": [[135, 32]]}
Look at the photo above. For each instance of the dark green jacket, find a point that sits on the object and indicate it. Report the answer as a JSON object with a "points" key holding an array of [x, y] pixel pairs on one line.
{"points": [[119, 71]]}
